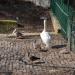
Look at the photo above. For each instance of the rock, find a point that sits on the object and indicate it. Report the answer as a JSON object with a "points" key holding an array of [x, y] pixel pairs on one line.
{"points": [[64, 51], [36, 46], [33, 58]]}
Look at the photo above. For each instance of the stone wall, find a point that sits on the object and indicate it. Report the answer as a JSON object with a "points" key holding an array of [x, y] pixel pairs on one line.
{"points": [[43, 3]]}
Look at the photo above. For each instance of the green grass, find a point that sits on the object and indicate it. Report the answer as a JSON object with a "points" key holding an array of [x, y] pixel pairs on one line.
{"points": [[7, 26]]}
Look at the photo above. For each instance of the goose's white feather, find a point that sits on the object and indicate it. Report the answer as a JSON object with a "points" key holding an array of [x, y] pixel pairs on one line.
{"points": [[45, 36]]}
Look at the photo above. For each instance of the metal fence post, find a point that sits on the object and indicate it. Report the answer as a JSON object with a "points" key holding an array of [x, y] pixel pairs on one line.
{"points": [[69, 34]]}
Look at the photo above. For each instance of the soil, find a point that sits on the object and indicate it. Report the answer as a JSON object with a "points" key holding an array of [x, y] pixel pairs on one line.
{"points": [[15, 57]]}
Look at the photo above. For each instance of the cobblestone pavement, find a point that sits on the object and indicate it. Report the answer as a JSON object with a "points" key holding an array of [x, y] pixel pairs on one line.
{"points": [[15, 57]]}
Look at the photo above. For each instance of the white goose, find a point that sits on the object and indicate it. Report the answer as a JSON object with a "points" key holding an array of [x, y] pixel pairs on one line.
{"points": [[45, 36]]}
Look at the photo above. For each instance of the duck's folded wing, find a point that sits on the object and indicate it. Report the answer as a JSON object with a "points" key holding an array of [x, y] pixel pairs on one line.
{"points": [[45, 36]]}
